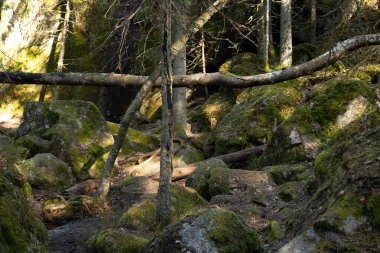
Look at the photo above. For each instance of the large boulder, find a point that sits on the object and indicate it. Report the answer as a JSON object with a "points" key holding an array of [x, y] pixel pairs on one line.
{"points": [[47, 172], [347, 198], [198, 179], [332, 108], [20, 230], [213, 231], [115, 241], [256, 115], [76, 129], [184, 201]]}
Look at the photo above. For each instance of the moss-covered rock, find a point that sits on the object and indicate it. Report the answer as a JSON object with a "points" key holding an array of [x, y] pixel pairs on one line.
{"points": [[20, 230], [115, 241], [57, 210], [199, 179], [215, 230], [45, 171], [243, 64], [135, 141], [287, 172], [257, 113], [332, 108], [304, 52], [211, 111], [34, 144], [184, 201], [374, 208], [76, 129]]}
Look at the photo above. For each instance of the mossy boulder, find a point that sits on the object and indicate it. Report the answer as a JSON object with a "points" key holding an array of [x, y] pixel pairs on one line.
{"points": [[288, 172], [199, 179], [304, 52], [151, 106], [257, 113], [20, 230], [253, 186], [57, 210], [135, 141], [47, 172], [184, 201], [34, 144], [77, 130], [374, 208], [115, 241], [207, 115], [215, 230], [333, 107], [243, 64]]}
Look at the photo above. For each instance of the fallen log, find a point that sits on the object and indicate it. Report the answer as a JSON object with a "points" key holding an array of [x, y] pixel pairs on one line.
{"points": [[83, 188], [338, 52], [239, 156]]}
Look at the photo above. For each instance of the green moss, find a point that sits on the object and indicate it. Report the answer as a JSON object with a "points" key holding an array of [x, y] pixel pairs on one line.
{"points": [[285, 173], [243, 64], [115, 241], [273, 232], [304, 52], [317, 122], [374, 208], [230, 235], [219, 181], [184, 201], [258, 111], [20, 230]]}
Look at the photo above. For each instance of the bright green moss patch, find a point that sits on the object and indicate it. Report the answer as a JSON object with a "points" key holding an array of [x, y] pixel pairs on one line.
{"points": [[20, 230], [243, 64], [115, 241], [230, 235], [184, 201], [273, 232], [285, 173]]}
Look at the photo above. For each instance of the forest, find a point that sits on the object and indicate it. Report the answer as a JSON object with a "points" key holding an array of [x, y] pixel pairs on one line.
{"points": [[190, 126]]}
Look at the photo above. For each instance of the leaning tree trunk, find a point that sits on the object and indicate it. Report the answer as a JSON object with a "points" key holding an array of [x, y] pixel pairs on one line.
{"points": [[147, 86], [179, 68], [166, 165], [286, 47]]}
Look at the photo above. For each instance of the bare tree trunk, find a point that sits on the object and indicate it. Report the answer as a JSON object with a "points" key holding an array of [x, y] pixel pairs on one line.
{"points": [[313, 21], [179, 68], [203, 45], [286, 47], [348, 11], [264, 36], [65, 28], [166, 165], [147, 86], [61, 57], [338, 52]]}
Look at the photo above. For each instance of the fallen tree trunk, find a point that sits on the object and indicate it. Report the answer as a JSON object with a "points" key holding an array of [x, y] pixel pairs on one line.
{"points": [[239, 156], [340, 50], [83, 188]]}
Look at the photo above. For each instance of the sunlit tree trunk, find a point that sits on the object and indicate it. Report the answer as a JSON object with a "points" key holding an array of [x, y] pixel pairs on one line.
{"points": [[286, 47], [166, 166], [264, 37], [61, 56], [313, 21], [179, 68]]}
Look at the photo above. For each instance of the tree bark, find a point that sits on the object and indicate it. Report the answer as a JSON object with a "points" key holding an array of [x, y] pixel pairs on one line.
{"points": [[313, 21], [264, 34], [286, 46], [147, 84], [166, 157], [340, 50], [179, 68]]}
